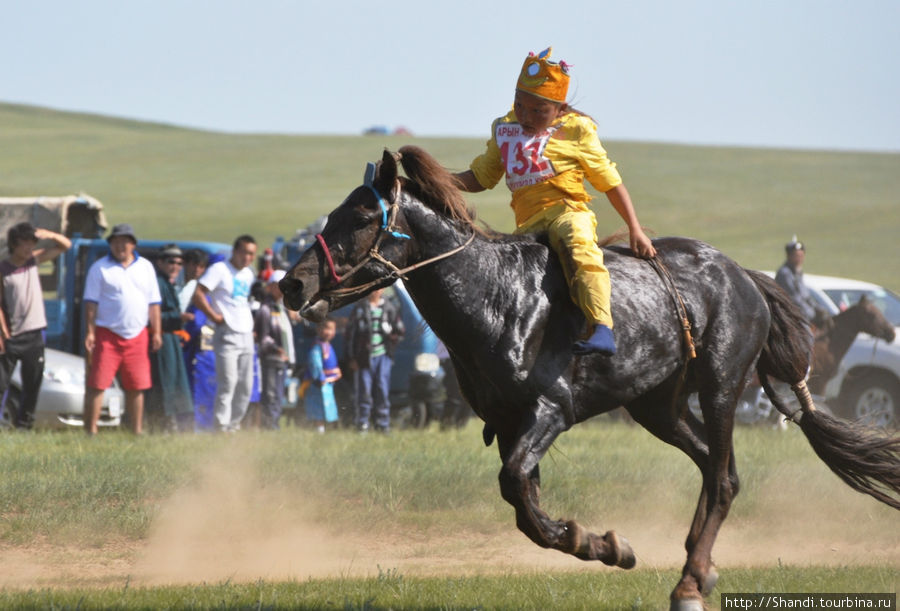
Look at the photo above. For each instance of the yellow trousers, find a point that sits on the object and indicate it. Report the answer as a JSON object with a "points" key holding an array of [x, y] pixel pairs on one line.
{"points": [[572, 229]]}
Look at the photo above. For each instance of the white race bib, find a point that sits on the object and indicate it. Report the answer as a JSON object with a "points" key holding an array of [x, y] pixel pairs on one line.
{"points": [[523, 155]]}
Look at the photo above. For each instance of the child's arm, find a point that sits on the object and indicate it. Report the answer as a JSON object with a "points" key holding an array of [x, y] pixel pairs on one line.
{"points": [[467, 182], [621, 201]]}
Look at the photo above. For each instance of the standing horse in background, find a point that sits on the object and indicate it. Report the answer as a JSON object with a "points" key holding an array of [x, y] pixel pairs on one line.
{"points": [[501, 305], [831, 346]]}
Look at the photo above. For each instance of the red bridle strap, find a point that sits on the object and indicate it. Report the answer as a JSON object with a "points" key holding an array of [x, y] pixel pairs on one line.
{"points": [[334, 274]]}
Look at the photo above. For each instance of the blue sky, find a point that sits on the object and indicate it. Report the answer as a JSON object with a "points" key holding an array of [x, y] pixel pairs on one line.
{"points": [[787, 74]]}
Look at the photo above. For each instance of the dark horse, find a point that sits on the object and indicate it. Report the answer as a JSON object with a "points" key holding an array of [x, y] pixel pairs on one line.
{"points": [[501, 305], [832, 345]]}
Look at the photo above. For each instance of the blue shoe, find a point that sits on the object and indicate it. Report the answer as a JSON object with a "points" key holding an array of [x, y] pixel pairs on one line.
{"points": [[600, 342]]}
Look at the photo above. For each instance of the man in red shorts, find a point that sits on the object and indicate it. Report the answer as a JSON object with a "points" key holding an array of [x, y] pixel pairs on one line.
{"points": [[121, 296]]}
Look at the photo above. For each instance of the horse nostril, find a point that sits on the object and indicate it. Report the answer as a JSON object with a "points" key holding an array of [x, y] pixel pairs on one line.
{"points": [[289, 285]]}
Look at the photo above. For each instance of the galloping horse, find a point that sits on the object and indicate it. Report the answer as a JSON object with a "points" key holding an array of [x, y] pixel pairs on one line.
{"points": [[831, 346], [501, 305]]}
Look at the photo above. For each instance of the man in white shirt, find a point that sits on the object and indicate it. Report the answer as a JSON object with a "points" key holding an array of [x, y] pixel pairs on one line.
{"points": [[227, 284], [121, 296]]}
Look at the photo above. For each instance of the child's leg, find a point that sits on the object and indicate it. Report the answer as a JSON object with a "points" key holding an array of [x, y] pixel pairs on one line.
{"points": [[573, 235]]}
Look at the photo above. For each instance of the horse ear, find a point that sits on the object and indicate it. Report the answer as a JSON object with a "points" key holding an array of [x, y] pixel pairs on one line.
{"points": [[386, 181]]}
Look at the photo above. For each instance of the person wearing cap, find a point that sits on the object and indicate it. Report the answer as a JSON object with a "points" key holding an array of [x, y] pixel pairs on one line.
{"points": [[22, 315], [546, 150], [790, 277], [275, 339], [168, 405], [223, 295], [121, 298]]}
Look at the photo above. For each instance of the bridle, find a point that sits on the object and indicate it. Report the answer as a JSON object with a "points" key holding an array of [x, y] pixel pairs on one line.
{"points": [[388, 229]]}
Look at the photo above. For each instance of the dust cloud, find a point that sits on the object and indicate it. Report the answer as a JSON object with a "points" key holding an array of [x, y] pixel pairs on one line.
{"points": [[228, 525]]}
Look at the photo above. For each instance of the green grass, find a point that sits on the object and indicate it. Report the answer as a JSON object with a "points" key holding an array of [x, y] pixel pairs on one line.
{"points": [[392, 590], [178, 183], [416, 497]]}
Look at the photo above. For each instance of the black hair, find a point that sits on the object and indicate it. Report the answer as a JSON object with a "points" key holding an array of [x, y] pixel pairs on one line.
{"points": [[243, 239], [196, 256], [18, 233]]}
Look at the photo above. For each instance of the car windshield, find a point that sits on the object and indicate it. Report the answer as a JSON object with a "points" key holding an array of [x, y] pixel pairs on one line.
{"points": [[885, 300]]}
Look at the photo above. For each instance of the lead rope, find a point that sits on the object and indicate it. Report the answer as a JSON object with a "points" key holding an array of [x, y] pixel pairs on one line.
{"points": [[689, 349], [690, 352]]}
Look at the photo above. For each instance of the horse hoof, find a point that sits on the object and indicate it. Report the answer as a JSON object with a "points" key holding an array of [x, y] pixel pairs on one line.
{"points": [[624, 555], [686, 604], [712, 577]]}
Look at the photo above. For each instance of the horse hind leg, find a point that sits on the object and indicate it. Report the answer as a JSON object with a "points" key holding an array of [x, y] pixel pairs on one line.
{"points": [[520, 487], [680, 428], [720, 486]]}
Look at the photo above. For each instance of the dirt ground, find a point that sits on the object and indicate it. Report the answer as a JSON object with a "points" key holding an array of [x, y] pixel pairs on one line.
{"points": [[230, 528]]}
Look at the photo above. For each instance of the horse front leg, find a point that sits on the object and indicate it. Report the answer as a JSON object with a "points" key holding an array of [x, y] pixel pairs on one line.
{"points": [[520, 483]]}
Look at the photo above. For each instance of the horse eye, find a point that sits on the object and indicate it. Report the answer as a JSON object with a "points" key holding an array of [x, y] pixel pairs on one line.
{"points": [[363, 219]]}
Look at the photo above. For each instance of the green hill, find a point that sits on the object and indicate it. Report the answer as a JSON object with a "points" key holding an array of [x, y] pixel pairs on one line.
{"points": [[171, 182]]}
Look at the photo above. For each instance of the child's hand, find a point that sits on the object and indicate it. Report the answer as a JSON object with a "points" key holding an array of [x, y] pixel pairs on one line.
{"points": [[641, 245]]}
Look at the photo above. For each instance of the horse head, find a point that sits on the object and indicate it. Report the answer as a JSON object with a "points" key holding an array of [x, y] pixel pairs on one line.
{"points": [[360, 249], [873, 321]]}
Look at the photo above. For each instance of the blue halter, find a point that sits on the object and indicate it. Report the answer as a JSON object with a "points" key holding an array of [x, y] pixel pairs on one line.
{"points": [[394, 272], [368, 181]]}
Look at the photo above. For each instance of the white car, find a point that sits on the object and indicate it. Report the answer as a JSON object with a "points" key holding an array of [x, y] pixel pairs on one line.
{"points": [[61, 401], [867, 384]]}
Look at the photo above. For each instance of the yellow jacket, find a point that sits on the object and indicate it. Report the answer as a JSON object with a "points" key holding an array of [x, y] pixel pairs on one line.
{"points": [[546, 169]]}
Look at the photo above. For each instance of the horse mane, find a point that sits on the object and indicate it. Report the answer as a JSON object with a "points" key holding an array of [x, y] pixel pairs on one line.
{"points": [[437, 188]]}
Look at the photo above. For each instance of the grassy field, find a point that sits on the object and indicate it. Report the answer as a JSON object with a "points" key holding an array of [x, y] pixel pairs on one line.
{"points": [[297, 520], [414, 520], [177, 183]]}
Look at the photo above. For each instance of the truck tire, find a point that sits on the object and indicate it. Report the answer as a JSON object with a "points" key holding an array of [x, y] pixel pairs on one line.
{"points": [[874, 398]]}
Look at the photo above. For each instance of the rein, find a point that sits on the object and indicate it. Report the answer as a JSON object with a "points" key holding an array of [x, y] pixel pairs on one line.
{"points": [[388, 228]]}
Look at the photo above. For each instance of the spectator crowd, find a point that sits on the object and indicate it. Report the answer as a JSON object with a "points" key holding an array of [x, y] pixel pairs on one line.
{"points": [[197, 342]]}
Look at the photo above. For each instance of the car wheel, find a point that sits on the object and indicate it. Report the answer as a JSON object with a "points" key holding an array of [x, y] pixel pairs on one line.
{"points": [[873, 399], [412, 416]]}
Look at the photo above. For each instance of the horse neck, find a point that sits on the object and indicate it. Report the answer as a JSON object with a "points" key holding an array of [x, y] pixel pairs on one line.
{"points": [[847, 326], [468, 290]]}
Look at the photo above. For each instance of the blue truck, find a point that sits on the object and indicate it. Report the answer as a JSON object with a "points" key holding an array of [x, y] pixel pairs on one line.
{"points": [[80, 217], [63, 302]]}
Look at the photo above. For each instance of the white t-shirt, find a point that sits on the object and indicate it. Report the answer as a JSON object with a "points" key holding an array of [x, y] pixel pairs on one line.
{"points": [[186, 294], [229, 293], [123, 294]]}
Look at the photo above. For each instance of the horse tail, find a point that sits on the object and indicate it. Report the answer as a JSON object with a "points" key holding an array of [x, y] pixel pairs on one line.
{"points": [[866, 459]]}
